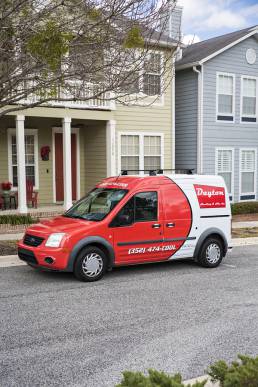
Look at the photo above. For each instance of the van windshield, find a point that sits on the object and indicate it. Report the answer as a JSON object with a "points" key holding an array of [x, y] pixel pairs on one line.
{"points": [[97, 204]]}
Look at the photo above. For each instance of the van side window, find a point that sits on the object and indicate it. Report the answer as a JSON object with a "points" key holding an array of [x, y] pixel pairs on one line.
{"points": [[146, 206], [142, 207]]}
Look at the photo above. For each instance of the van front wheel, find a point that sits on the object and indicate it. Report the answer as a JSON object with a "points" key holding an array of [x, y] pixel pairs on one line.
{"points": [[211, 253], [90, 264]]}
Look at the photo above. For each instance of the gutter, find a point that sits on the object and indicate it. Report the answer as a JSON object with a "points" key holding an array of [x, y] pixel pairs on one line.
{"points": [[199, 120]]}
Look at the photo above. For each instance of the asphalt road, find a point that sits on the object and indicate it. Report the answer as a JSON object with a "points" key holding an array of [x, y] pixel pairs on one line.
{"points": [[175, 316]]}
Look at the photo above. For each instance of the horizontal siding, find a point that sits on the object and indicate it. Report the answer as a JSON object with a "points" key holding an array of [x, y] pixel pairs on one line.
{"points": [[186, 119], [95, 155], [235, 135]]}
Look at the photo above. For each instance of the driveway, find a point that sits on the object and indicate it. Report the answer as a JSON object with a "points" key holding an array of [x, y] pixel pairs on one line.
{"points": [[173, 316]]}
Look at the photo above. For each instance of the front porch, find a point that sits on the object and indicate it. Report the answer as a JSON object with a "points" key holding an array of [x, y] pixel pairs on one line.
{"points": [[81, 154]]}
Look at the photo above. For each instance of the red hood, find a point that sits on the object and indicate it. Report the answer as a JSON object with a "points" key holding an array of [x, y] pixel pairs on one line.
{"points": [[59, 224]]}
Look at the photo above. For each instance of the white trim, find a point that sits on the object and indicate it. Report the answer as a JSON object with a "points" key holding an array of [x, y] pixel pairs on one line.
{"points": [[141, 147], [217, 149], [253, 32], [58, 129], [241, 101], [34, 132], [240, 175], [110, 147], [218, 73]]}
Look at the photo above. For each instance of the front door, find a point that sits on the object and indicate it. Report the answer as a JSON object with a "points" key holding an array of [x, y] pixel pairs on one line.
{"points": [[59, 167], [138, 230]]}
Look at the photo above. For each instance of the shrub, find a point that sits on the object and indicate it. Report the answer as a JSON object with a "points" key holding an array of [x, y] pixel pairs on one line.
{"points": [[241, 373], [154, 379], [244, 208], [17, 219]]}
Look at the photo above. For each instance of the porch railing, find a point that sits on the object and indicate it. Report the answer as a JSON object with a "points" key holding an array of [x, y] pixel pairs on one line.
{"points": [[76, 97]]}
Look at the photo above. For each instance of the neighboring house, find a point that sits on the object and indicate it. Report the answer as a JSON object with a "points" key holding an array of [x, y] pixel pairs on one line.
{"points": [[89, 140], [217, 110]]}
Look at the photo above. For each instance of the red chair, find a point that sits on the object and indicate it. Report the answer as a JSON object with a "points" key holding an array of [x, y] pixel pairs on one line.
{"points": [[31, 195]]}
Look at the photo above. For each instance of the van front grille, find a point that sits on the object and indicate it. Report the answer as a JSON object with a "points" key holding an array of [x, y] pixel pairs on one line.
{"points": [[32, 240]]}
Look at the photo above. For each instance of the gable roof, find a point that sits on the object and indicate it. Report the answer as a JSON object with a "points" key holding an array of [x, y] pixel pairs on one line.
{"points": [[199, 53]]}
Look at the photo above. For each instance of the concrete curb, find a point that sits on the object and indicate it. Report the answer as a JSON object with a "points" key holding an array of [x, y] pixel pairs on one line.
{"points": [[237, 242], [10, 260]]}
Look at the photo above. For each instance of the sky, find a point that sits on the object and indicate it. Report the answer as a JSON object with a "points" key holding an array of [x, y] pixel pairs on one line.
{"points": [[203, 19]]}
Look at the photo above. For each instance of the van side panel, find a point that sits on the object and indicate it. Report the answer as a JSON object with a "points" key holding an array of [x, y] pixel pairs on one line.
{"points": [[216, 216]]}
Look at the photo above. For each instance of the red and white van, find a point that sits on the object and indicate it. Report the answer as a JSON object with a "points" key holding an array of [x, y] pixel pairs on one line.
{"points": [[128, 220]]}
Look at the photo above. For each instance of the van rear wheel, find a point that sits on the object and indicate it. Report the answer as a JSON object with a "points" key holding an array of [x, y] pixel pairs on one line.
{"points": [[211, 253], [90, 264]]}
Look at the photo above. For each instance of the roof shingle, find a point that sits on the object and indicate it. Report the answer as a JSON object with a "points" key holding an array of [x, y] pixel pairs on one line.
{"points": [[198, 51]]}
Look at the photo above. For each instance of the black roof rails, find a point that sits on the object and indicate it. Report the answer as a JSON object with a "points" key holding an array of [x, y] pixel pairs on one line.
{"points": [[186, 171], [154, 172], [151, 172]]}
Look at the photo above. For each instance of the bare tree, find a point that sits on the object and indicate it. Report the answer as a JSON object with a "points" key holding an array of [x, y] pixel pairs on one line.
{"points": [[68, 50]]}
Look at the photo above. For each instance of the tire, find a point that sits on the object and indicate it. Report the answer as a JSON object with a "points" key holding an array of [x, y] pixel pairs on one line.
{"points": [[90, 264], [211, 253]]}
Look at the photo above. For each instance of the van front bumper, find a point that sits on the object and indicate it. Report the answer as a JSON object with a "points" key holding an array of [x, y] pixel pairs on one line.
{"points": [[45, 258]]}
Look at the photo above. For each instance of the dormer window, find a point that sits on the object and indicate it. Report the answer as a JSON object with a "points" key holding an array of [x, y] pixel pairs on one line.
{"points": [[225, 97]]}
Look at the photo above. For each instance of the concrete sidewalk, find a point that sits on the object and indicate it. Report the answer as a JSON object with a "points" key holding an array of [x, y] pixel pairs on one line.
{"points": [[11, 237]]}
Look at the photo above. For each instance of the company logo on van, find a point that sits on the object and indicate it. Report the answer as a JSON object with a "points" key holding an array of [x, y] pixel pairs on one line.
{"points": [[210, 196]]}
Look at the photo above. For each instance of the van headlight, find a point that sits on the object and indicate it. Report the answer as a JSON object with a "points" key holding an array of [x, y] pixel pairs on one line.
{"points": [[54, 240]]}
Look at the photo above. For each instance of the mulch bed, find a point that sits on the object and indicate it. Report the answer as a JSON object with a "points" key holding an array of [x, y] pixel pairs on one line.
{"points": [[8, 247]]}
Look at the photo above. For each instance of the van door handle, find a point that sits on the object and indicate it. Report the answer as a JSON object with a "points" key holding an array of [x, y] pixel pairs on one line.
{"points": [[170, 225], [156, 225]]}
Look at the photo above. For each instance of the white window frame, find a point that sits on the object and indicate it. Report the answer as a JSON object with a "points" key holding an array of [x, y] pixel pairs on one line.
{"points": [[232, 170], [141, 147], [33, 132], [233, 98], [241, 101], [240, 175], [141, 85]]}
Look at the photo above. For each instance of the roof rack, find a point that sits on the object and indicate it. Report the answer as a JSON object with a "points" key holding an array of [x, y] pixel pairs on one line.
{"points": [[154, 172]]}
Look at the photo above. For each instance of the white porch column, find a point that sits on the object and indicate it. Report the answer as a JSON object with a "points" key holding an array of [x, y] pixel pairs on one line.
{"points": [[110, 146], [67, 162], [21, 172]]}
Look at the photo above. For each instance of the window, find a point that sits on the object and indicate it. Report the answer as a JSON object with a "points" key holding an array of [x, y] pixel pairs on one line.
{"points": [[142, 207], [224, 167], [30, 139], [225, 97], [141, 152], [152, 74], [249, 99], [130, 152], [247, 174]]}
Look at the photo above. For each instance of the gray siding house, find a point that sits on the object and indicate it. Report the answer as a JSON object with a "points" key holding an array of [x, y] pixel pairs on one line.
{"points": [[217, 110]]}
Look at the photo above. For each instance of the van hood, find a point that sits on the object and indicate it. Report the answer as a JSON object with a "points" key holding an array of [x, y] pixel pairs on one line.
{"points": [[59, 224]]}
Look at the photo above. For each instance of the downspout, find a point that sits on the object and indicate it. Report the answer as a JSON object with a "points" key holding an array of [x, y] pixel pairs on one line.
{"points": [[199, 120], [173, 111]]}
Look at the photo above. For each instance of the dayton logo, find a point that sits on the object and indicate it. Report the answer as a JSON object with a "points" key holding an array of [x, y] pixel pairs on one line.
{"points": [[210, 196]]}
